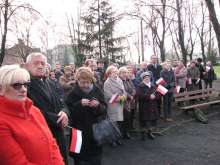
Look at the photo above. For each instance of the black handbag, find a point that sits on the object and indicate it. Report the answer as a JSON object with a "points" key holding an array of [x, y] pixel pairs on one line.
{"points": [[106, 131]]}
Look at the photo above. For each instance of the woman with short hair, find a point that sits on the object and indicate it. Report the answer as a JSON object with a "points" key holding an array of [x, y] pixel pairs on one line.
{"points": [[24, 135], [86, 105], [115, 95]]}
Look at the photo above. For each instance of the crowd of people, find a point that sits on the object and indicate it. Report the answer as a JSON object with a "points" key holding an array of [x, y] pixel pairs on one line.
{"points": [[38, 103]]}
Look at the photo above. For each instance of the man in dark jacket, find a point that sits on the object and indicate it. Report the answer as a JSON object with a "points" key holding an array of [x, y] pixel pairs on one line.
{"points": [[43, 95], [156, 68], [201, 70]]}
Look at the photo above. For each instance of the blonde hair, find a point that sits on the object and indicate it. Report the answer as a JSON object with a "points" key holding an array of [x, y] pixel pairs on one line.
{"points": [[67, 68], [122, 69], [110, 69], [84, 73], [10, 74]]}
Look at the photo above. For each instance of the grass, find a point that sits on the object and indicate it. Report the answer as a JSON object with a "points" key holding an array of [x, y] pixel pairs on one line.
{"points": [[217, 71]]}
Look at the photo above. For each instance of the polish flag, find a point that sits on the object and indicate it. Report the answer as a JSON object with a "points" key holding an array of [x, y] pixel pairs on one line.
{"points": [[207, 68], [161, 89], [177, 89], [160, 81], [76, 141], [113, 99], [189, 81]]}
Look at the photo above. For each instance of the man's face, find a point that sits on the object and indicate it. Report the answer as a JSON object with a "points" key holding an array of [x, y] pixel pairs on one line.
{"points": [[37, 66], [58, 67], [100, 65], [93, 66], [154, 59]]}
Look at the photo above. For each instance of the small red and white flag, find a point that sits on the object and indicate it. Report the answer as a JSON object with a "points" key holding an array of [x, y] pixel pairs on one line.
{"points": [[189, 81], [76, 141], [207, 68], [160, 81], [177, 89], [113, 99], [162, 89]]}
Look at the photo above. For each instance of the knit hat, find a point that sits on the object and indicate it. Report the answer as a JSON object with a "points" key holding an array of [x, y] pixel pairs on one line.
{"points": [[145, 74]]}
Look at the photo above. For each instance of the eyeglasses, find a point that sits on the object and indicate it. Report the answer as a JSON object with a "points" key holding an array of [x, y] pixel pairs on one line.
{"points": [[18, 86]]}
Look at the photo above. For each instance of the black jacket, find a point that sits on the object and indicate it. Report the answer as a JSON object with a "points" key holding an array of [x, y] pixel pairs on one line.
{"points": [[84, 117], [155, 70], [44, 96], [148, 109]]}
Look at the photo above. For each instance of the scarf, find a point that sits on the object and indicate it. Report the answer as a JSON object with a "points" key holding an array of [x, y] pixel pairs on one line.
{"points": [[117, 84]]}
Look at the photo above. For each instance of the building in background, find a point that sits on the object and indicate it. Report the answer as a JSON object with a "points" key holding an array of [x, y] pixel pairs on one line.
{"points": [[18, 53], [62, 54]]}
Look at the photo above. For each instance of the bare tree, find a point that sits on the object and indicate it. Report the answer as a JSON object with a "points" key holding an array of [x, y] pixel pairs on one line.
{"points": [[8, 10], [22, 24], [214, 20], [202, 31], [181, 31]]}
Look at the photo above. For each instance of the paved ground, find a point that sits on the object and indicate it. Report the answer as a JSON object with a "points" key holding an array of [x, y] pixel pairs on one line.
{"points": [[189, 143], [185, 142]]}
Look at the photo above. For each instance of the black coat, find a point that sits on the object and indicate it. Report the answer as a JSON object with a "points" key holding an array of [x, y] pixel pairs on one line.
{"points": [[84, 117], [155, 70], [148, 110], [44, 96], [169, 78]]}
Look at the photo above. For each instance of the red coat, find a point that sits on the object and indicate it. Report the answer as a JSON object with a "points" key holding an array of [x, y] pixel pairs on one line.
{"points": [[25, 138]]}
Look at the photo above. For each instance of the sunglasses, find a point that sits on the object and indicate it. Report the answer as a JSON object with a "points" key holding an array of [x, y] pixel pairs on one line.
{"points": [[18, 86]]}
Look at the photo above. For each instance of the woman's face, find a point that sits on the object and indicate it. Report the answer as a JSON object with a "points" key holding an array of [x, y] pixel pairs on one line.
{"points": [[130, 74], [114, 74], [84, 84], [16, 91], [68, 72], [146, 79], [123, 75], [52, 76]]}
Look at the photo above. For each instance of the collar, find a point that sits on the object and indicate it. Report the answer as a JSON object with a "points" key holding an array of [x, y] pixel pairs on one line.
{"points": [[148, 84], [15, 107]]}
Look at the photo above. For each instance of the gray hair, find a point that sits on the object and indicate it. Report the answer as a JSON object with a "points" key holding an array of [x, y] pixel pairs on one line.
{"points": [[30, 56]]}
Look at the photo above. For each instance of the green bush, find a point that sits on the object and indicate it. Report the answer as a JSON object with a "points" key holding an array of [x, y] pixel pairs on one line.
{"points": [[217, 71]]}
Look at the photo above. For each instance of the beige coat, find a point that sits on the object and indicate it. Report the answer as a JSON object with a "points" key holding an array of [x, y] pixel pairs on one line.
{"points": [[115, 110]]}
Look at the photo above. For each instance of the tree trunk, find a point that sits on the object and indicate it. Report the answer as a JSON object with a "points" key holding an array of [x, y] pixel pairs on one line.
{"points": [[2, 54], [162, 52], [181, 33], [142, 41], [214, 20]]}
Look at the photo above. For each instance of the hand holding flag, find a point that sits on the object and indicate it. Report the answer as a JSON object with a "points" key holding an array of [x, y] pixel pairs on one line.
{"points": [[177, 89], [162, 90], [113, 99], [76, 140], [160, 81]]}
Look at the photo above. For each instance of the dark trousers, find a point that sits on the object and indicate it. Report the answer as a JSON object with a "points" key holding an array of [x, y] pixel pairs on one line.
{"points": [[200, 84], [131, 120], [159, 101], [208, 83], [123, 126], [148, 124], [95, 160], [167, 105]]}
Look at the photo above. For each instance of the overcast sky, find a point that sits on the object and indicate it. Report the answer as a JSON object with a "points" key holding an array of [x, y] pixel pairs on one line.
{"points": [[55, 11]]}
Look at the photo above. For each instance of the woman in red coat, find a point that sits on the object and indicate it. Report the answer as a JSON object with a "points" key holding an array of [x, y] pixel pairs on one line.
{"points": [[25, 138]]}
